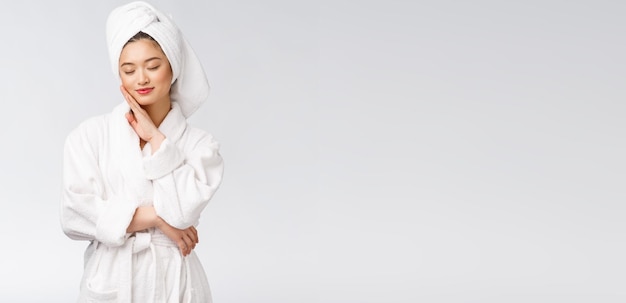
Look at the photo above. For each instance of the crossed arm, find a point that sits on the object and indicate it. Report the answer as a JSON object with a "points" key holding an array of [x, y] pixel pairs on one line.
{"points": [[145, 216]]}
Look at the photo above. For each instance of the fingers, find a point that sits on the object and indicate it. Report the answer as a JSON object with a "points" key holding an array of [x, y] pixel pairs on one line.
{"points": [[126, 94], [184, 249], [134, 106], [130, 117], [123, 90], [182, 237], [188, 240], [191, 244], [185, 246], [194, 234]]}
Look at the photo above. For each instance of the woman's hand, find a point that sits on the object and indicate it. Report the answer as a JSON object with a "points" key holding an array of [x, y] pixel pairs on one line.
{"points": [[186, 239], [140, 121]]}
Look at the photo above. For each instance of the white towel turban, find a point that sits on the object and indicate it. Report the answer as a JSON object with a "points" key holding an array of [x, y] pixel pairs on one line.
{"points": [[190, 87]]}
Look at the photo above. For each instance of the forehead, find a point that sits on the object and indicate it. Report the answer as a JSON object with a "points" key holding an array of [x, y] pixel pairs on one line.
{"points": [[141, 50]]}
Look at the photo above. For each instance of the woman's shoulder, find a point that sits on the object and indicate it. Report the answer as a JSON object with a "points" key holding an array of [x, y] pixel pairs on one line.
{"points": [[90, 128], [97, 125]]}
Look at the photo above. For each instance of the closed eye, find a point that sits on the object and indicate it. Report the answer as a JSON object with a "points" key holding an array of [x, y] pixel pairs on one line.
{"points": [[154, 68]]}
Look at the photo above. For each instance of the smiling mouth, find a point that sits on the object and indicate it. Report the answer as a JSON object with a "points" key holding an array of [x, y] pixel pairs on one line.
{"points": [[144, 91]]}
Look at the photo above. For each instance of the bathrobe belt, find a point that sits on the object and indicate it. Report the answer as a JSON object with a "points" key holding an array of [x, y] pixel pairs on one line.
{"points": [[139, 242]]}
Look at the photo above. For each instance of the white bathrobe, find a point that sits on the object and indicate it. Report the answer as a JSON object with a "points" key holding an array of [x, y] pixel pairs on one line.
{"points": [[106, 176]]}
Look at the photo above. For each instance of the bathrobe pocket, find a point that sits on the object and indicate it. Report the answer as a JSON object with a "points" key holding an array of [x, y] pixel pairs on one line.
{"points": [[101, 277]]}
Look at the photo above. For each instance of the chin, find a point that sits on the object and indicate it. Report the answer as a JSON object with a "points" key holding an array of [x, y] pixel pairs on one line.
{"points": [[145, 102], [148, 100]]}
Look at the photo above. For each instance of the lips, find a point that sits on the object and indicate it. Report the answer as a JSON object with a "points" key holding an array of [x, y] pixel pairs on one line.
{"points": [[144, 91]]}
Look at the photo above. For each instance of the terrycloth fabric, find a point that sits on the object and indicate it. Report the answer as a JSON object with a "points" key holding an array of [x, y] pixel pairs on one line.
{"points": [[106, 177], [190, 87]]}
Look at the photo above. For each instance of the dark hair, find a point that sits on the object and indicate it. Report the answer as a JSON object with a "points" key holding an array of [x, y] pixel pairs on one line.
{"points": [[139, 36]]}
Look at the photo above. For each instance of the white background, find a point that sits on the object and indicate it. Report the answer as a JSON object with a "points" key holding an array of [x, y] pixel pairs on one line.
{"points": [[439, 151]]}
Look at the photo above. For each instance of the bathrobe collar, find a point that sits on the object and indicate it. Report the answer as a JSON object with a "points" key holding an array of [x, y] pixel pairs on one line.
{"points": [[172, 126], [174, 123], [131, 178]]}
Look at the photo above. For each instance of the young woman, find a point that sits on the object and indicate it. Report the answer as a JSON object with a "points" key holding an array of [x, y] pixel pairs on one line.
{"points": [[136, 180]]}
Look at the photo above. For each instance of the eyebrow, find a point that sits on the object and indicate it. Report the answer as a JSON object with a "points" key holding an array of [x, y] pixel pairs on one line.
{"points": [[146, 61]]}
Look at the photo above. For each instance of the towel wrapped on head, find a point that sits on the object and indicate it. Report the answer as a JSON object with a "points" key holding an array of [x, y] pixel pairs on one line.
{"points": [[190, 87]]}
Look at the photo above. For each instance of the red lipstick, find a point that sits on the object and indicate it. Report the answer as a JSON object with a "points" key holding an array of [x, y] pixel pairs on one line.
{"points": [[144, 91]]}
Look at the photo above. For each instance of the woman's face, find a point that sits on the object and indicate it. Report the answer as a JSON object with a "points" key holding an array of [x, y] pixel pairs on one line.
{"points": [[145, 72]]}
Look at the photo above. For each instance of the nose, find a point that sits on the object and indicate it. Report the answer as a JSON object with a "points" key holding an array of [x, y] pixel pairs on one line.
{"points": [[143, 79]]}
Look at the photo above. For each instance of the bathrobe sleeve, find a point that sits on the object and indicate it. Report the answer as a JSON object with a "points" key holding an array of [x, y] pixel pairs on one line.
{"points": [[87, 213], [184, 178]]}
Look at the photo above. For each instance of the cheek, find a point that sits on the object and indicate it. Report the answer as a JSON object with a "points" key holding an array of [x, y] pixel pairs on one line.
{"points": [[164, 78], [126, 81], [165, 74]]}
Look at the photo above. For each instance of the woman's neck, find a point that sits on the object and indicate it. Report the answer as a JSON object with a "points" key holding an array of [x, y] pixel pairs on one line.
{"points": [[157, 111]]}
